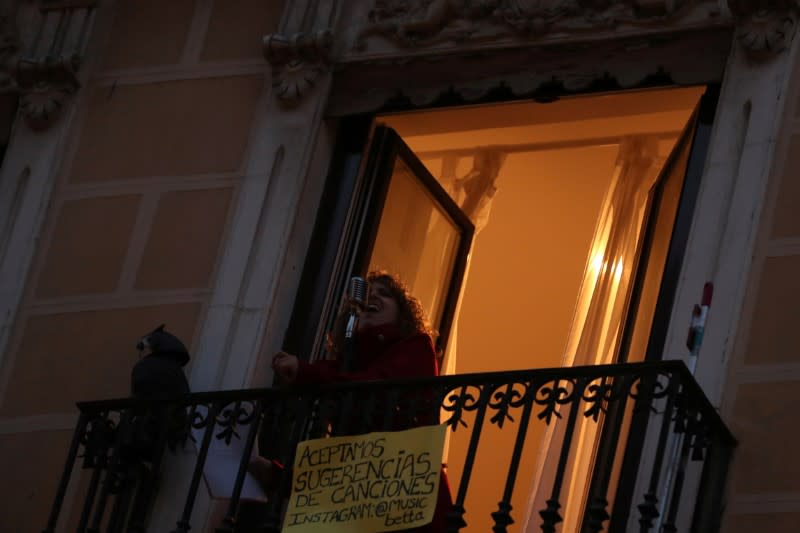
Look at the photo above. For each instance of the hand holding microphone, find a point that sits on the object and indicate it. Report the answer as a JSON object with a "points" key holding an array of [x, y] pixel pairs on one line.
{"points": [[357, 294], [286, 365]]}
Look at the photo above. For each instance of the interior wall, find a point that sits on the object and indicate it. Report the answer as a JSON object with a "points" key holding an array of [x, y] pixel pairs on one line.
{"points": [[527, 264], [519, 299]]}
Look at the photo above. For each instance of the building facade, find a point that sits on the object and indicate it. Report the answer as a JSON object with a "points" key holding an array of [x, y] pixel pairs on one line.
{"points": [[179, 162]]}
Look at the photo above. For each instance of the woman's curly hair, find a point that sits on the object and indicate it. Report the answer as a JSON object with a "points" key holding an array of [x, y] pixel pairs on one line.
{"points": [[411, 316]]}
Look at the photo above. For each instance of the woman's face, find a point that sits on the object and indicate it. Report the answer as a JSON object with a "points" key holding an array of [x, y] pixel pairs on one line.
{"points": [[381, 307]]}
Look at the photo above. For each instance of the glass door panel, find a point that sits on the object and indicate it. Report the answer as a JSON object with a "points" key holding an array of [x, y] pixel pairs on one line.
{"points": [[417, 240], [407, 224]]}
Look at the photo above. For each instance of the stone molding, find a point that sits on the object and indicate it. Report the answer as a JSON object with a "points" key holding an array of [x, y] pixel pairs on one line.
{"points": [[764, 28], [425, 23], [43, 70], [297, 62], [415, 81], [300, 53], [399, 31], [44, 87]]}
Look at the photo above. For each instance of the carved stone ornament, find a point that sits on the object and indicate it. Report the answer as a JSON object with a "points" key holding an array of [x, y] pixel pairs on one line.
{"points": [[410, 23], [765, 27], [297, 62], [44, 88], [413, 81], [39, 60]]}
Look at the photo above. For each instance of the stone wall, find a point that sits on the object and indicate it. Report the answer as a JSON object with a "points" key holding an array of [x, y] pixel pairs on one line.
{"points": [[142, 204], [764, 375]]}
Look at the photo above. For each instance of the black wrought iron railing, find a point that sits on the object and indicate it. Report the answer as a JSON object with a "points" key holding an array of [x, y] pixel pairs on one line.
{"points": [[657, 450]]}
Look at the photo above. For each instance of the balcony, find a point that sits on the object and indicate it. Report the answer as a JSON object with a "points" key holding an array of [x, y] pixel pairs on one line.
{"points": [[649, 451]]}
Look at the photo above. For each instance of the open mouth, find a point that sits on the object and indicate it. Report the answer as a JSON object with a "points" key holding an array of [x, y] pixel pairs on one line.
{"points": [[372, 308]]}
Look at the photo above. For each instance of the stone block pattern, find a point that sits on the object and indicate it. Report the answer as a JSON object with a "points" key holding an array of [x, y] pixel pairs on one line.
{"points": [[148, 33], [764, 493], [252, 19], [133, 234], [28, 461], [174, 128]]}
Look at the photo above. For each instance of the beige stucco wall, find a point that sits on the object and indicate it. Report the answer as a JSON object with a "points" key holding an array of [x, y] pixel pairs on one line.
{"points": [[764, 376], [132, 237]]}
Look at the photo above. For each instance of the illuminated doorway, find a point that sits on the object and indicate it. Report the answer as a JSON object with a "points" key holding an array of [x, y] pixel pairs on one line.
{"points": [[568, 212]]}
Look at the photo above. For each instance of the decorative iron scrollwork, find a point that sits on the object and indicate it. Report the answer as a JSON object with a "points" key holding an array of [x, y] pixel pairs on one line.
{"points": [[458, 403], [98, 440], [199, 416], [506, 398], [598, 394], [649, 388], [230, 418], [554, 396], [577, 404]]}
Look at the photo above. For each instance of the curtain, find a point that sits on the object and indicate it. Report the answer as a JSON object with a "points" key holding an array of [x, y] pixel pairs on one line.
{"points": [[602, 304], [611, 262]]}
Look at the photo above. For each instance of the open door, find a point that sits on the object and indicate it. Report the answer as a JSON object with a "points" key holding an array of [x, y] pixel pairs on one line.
{"points": [[571, 267], [403, 221], [614, 316]]}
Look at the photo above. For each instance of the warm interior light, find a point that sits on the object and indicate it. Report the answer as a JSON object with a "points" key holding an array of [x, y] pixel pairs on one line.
{"points": [[596, 263], [551, 240]]}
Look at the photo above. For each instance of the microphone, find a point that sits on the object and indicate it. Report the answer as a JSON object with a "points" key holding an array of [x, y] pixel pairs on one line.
{"points": [[359, 287], [357, 294]]}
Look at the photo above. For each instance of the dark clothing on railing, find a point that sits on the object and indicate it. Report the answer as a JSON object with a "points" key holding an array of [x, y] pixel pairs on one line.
{"points": [[158, 376], [381, 353]]}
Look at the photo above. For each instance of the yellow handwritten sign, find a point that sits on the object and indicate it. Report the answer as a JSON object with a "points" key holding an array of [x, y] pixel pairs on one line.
{"points": [[366, 483]]}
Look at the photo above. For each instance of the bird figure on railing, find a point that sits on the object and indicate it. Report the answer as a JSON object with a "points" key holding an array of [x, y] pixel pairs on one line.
{"points": [[159, 372], [159, 376]]}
